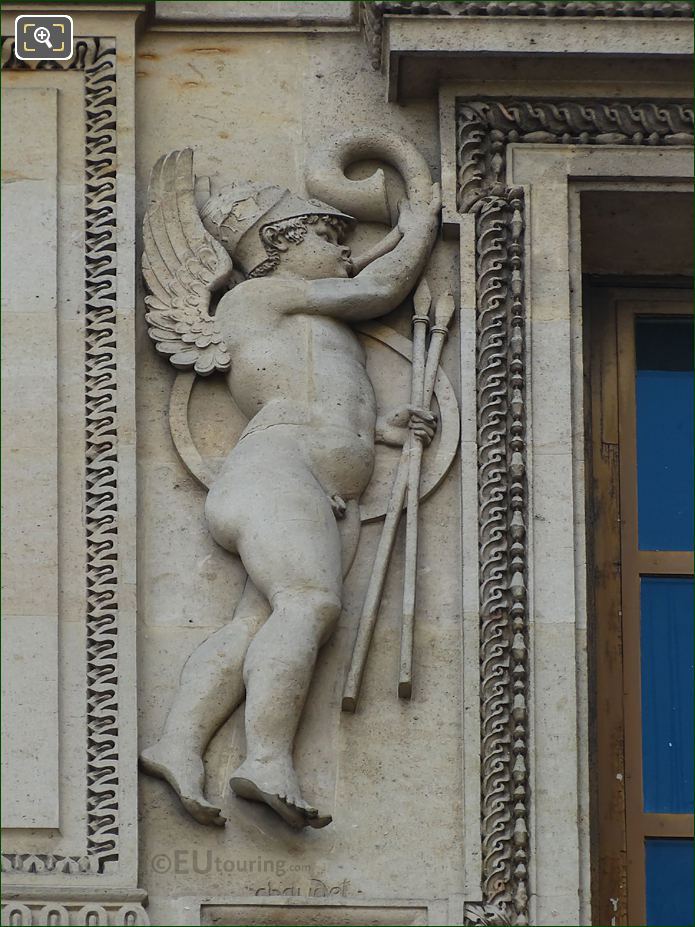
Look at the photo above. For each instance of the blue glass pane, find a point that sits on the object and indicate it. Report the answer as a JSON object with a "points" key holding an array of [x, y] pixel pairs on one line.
{"points": [[669, 870], [667, 693], [664, 396]]}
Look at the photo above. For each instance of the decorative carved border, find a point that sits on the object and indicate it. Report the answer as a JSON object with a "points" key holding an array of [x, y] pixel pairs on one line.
{"points": [[96, 58], [484, 129], [372, 13], [502, 550], [30, 913]]}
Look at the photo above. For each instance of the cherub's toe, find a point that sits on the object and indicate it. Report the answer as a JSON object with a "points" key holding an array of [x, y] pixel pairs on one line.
{"points": [[203, 811], [308, 809], [319, 820]]}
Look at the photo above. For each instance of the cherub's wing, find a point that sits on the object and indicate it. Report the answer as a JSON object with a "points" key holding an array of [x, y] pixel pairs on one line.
{"points": [[182, 265]]}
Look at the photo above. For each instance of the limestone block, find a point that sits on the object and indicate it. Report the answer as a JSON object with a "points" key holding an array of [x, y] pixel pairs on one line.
{"points": [[30, 460], [255, 11], [366, 915]]}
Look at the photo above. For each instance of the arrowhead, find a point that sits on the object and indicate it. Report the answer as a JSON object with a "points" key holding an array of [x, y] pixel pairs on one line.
{"points": [[422, 298]]}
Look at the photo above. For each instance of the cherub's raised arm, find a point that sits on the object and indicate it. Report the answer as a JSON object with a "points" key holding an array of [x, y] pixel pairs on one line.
{"points": [[385, 283]]}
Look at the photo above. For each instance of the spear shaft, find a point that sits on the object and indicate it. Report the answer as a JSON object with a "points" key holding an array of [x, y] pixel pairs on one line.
{"points": [[422, 300], [443, 313]]}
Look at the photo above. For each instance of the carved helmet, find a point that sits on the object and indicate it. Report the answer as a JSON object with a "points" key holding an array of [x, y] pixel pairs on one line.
{"points": [[236, 215]]}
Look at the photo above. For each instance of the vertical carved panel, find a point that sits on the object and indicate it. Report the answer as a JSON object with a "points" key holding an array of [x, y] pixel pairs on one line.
{"points": [[501, 496], [96, 58], [101, 497], [484, 129]]}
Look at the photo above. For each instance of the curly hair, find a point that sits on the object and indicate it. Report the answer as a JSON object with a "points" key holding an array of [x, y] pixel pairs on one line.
{"points": [[293, 231]]}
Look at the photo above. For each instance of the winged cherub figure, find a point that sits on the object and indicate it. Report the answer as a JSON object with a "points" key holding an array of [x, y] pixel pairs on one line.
{"points": [[294, 366]]}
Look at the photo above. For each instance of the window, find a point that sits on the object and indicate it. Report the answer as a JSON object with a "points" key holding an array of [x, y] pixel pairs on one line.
{"points": [[640, 365]]}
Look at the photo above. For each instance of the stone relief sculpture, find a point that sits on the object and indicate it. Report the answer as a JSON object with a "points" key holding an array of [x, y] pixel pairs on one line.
{"points": [[286, 499]]}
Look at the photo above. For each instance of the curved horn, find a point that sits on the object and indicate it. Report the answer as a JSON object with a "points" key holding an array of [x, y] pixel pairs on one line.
{"points": [[366, 199]]}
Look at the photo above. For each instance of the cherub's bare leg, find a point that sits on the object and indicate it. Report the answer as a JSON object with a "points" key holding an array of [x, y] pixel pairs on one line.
{"points": [[278, 670], [290, 546], [211, 687]]}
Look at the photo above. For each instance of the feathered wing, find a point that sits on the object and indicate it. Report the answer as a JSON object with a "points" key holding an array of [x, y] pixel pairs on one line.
{"points": [[182, 265]]}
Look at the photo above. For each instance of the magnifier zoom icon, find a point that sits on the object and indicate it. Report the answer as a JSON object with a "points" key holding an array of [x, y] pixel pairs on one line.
{"points": [[43, 35]]}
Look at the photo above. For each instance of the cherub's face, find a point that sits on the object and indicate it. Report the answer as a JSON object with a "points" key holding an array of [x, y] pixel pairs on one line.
{"points": [[318, 255]]}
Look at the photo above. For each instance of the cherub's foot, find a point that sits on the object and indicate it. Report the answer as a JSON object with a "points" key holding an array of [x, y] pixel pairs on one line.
{"points": [[276, 785], [186, 775]]}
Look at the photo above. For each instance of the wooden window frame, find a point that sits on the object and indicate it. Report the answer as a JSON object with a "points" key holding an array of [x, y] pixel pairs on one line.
{"points": [[619, 826]]}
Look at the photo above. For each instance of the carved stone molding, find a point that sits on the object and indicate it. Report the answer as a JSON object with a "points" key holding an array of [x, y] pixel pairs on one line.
{"points": [[95, 57], [484, 129], [372, 13], [502, 548], [27, 913]]}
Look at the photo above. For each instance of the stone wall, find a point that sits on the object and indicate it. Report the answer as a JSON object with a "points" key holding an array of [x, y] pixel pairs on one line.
{"points": [[461, 798]]}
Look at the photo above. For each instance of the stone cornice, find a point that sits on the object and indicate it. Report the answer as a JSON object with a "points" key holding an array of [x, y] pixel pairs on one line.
{"points": [[372, 13]]}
